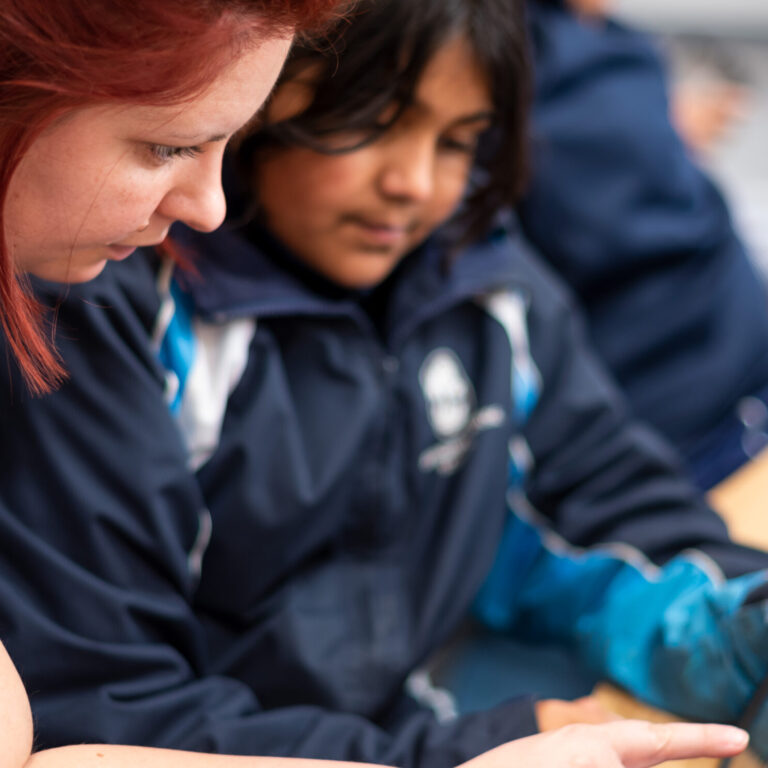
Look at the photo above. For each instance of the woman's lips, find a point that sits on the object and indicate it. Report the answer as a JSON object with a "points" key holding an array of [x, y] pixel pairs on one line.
{"points": [[120, 252]]}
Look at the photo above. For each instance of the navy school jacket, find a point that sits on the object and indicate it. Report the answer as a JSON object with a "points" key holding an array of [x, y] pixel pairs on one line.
{"points": [[621, 210], [258, 568]]}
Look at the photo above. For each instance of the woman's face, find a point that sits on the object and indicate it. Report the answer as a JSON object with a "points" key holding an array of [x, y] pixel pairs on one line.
{"points": [[353, 216], [104, 180]]}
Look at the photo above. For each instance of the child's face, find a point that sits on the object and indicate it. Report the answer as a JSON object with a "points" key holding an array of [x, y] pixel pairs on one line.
{"points": [[353, 216]]}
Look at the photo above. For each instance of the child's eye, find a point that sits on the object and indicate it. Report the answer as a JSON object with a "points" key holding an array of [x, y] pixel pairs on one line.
{"points": [[162, 153], [468, 146]]}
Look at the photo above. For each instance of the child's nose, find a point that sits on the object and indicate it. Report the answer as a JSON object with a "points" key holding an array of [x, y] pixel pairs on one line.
{"points": [[409, 171]]}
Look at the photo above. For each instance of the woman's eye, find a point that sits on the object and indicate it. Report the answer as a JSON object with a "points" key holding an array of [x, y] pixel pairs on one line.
{"points": [[163, 153]]}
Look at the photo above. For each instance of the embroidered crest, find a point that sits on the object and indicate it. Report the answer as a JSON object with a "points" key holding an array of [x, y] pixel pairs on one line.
{"points": [[452, 411], [449, 394]]}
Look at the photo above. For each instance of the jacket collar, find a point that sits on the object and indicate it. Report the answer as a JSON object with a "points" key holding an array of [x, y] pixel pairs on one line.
{"points": [[240, 273]]}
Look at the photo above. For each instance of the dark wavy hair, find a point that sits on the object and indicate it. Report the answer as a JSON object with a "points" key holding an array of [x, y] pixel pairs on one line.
{"points": [[370, 65]]}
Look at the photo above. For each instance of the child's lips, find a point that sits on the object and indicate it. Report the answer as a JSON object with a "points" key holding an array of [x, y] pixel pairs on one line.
{"points": [[383, 232]]}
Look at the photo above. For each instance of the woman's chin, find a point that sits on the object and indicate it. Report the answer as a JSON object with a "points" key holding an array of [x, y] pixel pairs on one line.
{"points": [[78, 266], [69, 273], [85, 274]]}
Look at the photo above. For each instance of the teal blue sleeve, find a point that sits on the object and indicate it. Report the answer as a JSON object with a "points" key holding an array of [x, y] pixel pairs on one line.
{"points": [[678, 636]]}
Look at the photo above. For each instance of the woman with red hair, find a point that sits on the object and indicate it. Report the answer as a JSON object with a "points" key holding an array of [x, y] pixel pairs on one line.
{"points": [[113, 121], [113, 117]]}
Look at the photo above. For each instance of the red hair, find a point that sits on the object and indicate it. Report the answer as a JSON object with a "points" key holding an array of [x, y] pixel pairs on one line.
{"points": [[58, 56]]}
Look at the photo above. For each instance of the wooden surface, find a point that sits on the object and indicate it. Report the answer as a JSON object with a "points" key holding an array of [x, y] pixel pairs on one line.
{"points": [[743, 501]]}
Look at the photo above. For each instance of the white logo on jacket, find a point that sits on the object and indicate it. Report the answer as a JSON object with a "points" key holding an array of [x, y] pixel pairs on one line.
{"points": [[451, 410]]}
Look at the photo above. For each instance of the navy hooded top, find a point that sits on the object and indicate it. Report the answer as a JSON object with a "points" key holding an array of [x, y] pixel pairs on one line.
{"points": [[640, 233]]}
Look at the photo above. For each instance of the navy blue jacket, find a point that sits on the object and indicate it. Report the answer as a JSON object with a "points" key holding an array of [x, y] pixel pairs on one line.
{"points": [[639, 232], [260, 572]]}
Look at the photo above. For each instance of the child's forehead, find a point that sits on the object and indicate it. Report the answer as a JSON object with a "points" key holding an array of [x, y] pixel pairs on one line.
{"points": [[454, 76], [293, 95], [453, 70]]}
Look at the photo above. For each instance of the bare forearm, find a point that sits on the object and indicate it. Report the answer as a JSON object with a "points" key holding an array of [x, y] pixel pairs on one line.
{"points": [[15, 717], [627, 743], [110, 756]]}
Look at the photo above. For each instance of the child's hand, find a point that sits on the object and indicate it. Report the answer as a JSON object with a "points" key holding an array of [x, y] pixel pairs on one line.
{"points": [[703, 112], [552, 714], [623, 744]]}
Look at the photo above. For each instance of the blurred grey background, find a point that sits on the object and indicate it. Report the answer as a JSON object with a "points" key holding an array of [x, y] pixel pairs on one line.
{"points": [[736, 17], [728, 40]]}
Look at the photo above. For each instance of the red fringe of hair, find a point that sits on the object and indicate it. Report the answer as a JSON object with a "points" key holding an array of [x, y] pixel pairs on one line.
{"points": [[58, 56]]}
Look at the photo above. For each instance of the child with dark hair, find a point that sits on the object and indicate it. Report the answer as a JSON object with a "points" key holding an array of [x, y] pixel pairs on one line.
{"points": [[620, 208], [299, 466]]}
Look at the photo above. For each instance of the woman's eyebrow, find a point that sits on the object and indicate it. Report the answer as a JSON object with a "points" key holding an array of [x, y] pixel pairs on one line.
{"points": [[198, 138]]}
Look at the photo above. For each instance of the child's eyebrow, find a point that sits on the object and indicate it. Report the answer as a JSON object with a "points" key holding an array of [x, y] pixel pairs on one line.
{"points": [[486, 116]]}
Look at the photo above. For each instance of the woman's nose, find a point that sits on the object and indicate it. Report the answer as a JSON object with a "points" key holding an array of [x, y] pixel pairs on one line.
{"points": [[197, 199]]}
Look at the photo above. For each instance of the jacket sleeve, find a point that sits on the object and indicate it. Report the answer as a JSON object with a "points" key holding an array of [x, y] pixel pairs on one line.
{"points": [[115, 663], [599, 476], [673, 305], [99, 523], [612, 550], [680, 636]]}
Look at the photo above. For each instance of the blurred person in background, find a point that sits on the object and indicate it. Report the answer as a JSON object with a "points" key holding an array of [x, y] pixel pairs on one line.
{"points": [[620, 207]]}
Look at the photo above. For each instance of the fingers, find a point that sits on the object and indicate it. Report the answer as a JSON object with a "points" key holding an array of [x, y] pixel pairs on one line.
{"points": [[640, 744], [594, 711], [622, 744], [703, 113], [552, 714]]}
